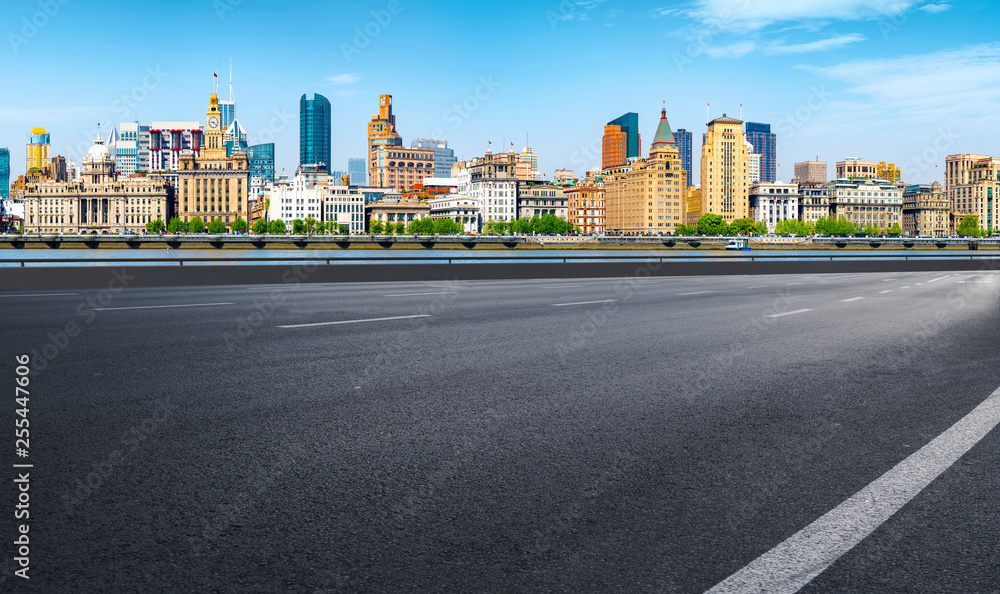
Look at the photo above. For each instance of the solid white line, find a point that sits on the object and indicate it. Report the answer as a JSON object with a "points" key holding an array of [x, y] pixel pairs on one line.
{"points": [[885, 280], [852, 299], [355, 321], [906, 287], [414, 294], [795, 562], [882, 292], [583, 302], [39, 295], [939, 278], [694, 293], [160, 306], [788, 313]]}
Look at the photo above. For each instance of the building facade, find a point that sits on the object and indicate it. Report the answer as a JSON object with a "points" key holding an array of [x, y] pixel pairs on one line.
{"points": [[460, 208], [764, 143], [814, 201], [926, 211], [296, 198], [213, 185], [98, 202], [37, 150], [753, 165], [260, 160], [357, 169], [4, 173], [401, 168], [773, 202], [972, 185], [314, 131], [856, 169], [381, 133], [647, 197], [394, 209], [540, 199], [725, 170], [586, 207], [684, 139], [866, 202], [811, 171], [621, 141], [344, 205], [492, 180], [889, 172], [444, 157]]}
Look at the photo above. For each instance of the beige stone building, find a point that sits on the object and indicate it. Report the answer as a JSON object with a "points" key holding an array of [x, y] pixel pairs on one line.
{"points": [[647, 196], [400, 168], [694, 210], [395, 208], [811, 171], [856, 169], [539, 199], [814, 201], [725, 170], [972, 185], [213, 185], [926, 211], [97, 202], [866, 202]]}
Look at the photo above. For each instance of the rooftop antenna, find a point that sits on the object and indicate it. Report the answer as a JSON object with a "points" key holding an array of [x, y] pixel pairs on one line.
{"points": [[708, 111], [215, 78], [741, 111]]}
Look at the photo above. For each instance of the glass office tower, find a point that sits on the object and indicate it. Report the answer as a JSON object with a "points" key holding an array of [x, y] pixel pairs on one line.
{"points": [[314, 131], [261, 161]]}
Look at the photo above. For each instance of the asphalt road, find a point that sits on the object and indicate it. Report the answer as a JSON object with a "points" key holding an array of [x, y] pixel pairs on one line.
{"points": [[593, 435]]}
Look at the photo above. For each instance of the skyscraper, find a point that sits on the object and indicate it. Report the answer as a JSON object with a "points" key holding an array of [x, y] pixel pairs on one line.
{"points": [[314, 131], [390, 164], [261, 161], [4, 173], [621, 140], [724, 170], [763, 141], [444, 157], [227, 108], [683, 138], [357, 169], [37, 149]]}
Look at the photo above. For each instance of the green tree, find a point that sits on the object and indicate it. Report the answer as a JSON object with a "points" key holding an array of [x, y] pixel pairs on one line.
{"points": [[322, 227], [760, 228], [683, 229], [712, 224], [445, 226], [343, 229], [260, 226], [421, 226], [298, 227], [240, 225], [176, 225], [969, 227], [196, 225], [400, 227], [894, 231], [375, 227], [276, 227], [310, 225], [216, 226], [741, 226], [155, 226]]}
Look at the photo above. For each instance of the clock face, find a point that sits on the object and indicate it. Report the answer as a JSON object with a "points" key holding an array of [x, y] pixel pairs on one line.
{"points": [[213, 122]]}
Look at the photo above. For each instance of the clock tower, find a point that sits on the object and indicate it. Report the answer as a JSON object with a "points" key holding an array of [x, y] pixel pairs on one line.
{"points": [[215, 146]]}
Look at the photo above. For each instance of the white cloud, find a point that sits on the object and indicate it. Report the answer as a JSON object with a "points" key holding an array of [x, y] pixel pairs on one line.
{"points": [[935, 8], [736, 50], [954, 83], [344, 79], [814, 46], [756, 14]]}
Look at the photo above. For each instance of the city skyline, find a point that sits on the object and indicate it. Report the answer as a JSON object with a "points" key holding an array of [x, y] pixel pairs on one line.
{"points": [[830, 81]]}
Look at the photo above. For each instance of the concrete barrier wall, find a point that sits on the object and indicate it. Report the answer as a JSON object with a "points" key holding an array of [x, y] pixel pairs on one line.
{"points": [[160, 276]]}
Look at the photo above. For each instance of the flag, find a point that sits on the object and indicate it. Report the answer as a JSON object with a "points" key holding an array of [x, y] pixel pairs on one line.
{"points": [[489, 142], [216, 75]]}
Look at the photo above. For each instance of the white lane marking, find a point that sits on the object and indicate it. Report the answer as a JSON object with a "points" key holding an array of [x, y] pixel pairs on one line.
{"points": [[852, 299], [758, 287], [906, 287], [583, 302], [355, 321], [40, 295], [415, 294], [161, 306], [788, 313], [695, 293], [795, 562], [886, 291], [885, 280], [939, 278]]}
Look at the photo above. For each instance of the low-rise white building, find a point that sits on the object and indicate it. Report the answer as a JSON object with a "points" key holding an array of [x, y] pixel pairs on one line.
{"points": [[295, 199], [462, 208], [774, 201], [344, 205]]}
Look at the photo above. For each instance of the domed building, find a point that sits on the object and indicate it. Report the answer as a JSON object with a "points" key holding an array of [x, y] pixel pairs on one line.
{"points": [[97, 202]]}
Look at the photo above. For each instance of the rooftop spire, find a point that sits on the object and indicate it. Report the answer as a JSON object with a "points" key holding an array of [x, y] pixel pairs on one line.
{"points": [[664, 136]]}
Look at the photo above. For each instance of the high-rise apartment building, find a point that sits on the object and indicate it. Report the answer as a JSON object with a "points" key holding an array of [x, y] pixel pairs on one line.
{"points": [[530, 159], [684, 140], [4, 173], [724, 170], [37, 150], [213, 185], [621, 141], [314, 131], [764, 144], [357, 169], [813, 172], [647, 196], [444, 157], [889, 172], [167, 140], [856, 169]]}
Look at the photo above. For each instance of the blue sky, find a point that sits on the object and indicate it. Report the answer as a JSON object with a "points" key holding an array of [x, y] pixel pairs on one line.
{"points": [[895, 80]]}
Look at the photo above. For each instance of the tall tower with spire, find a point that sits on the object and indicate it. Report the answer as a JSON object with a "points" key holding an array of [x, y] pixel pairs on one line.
{"points": [[227, 108], [648, 196]]}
